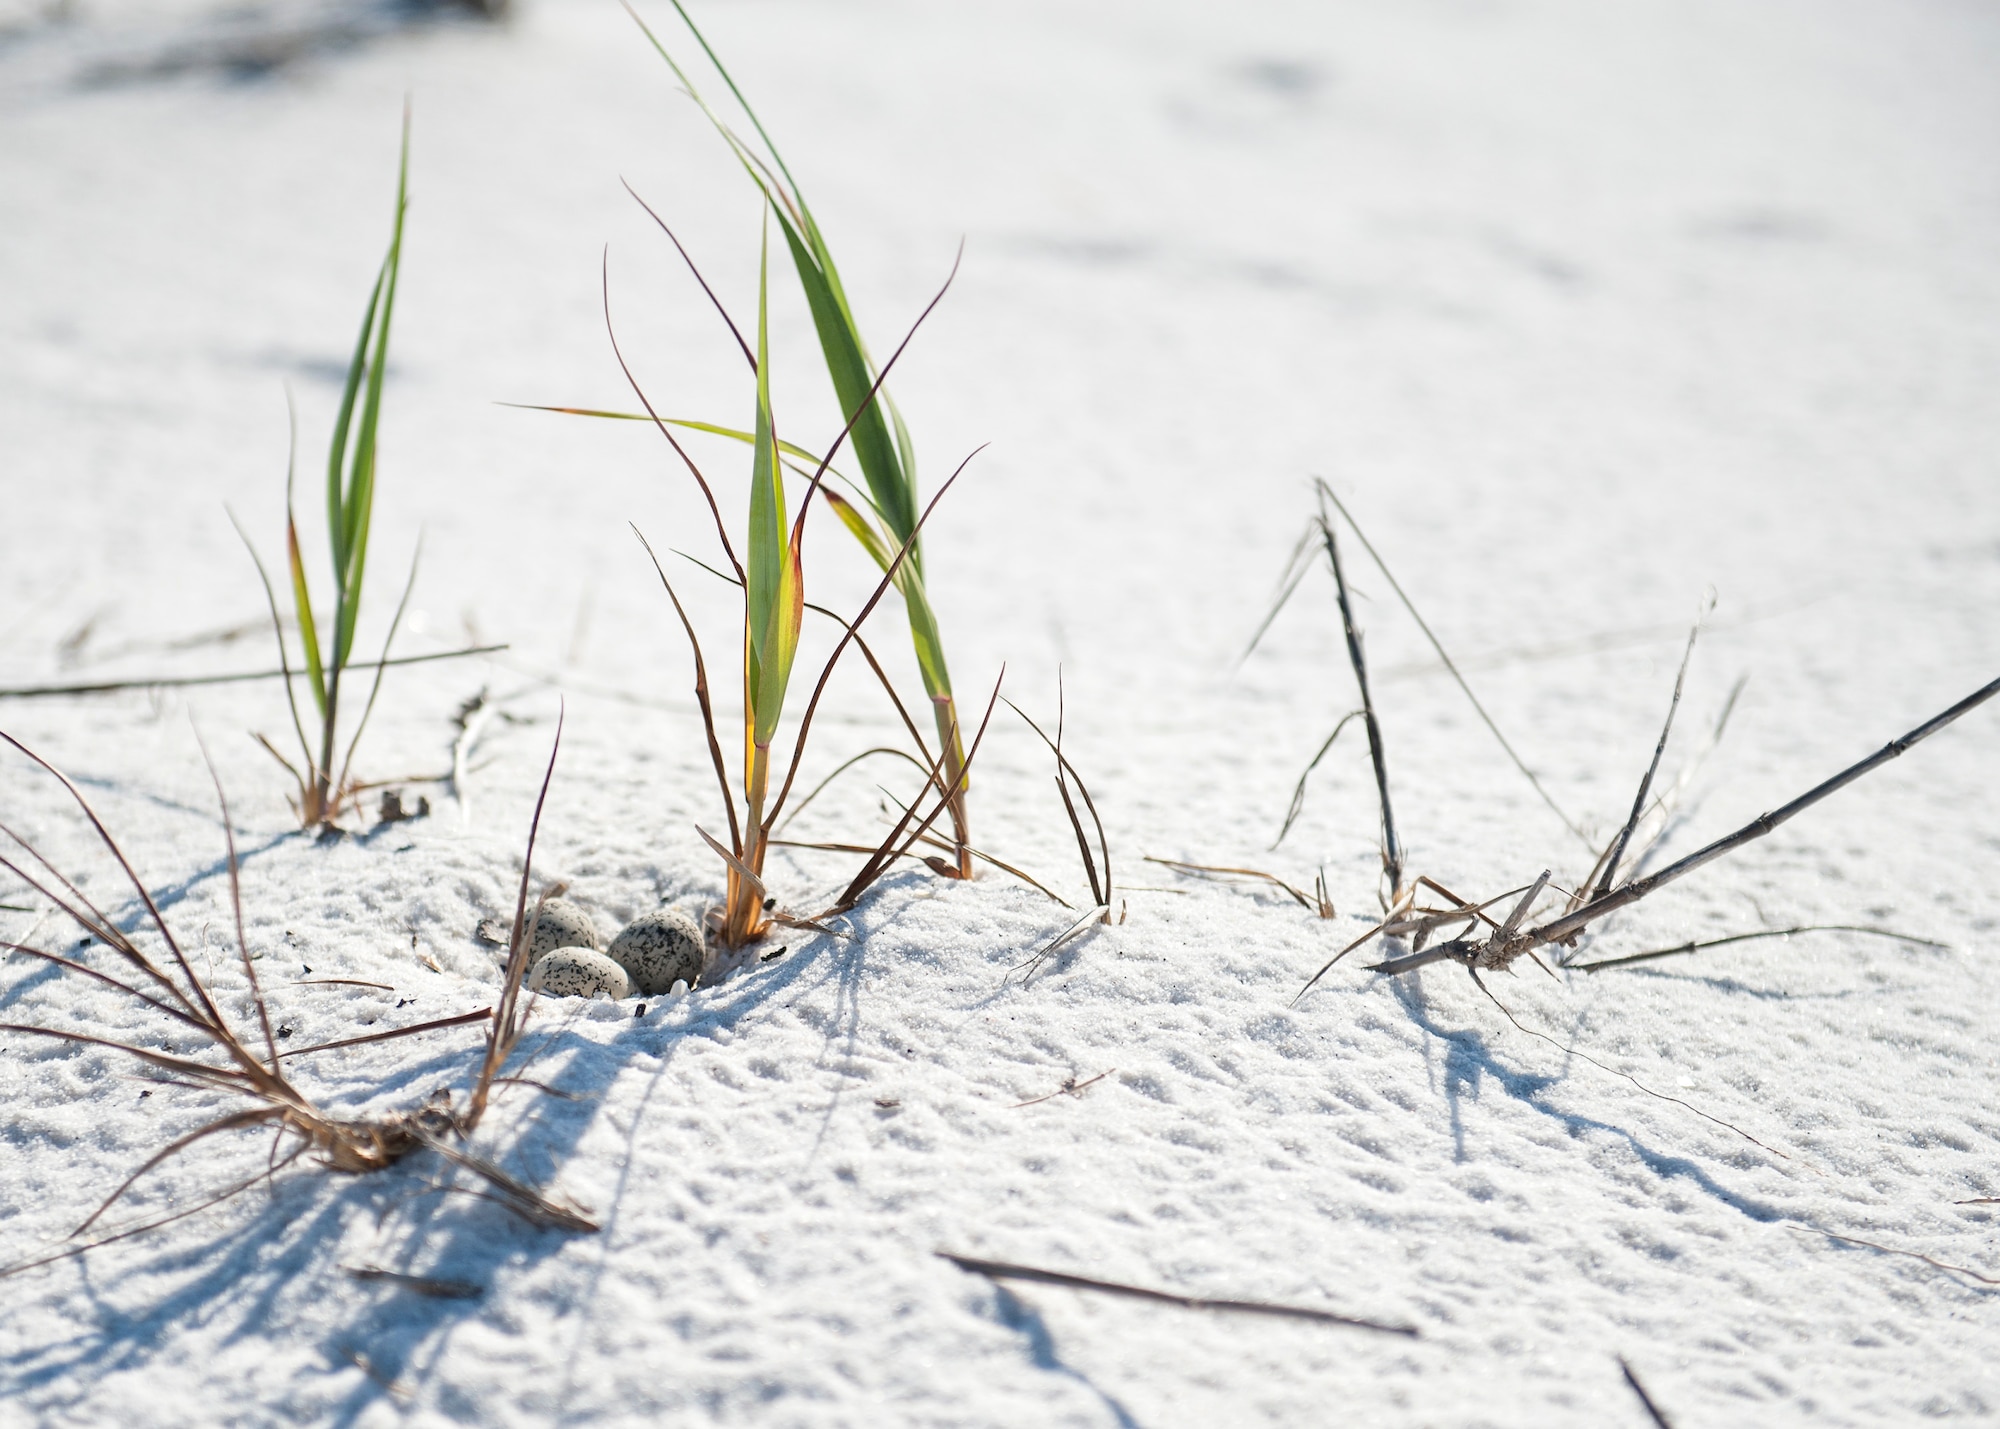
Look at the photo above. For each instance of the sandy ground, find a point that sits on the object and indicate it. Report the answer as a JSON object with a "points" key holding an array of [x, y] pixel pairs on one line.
{"points": [[1584, 309]]}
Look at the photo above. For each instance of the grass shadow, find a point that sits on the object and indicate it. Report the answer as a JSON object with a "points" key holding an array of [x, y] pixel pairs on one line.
{"points": [[1469, 1060], [1022, 1318]]}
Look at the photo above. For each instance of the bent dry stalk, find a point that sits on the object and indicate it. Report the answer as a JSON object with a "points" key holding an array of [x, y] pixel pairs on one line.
{"points": [[1320, 903], [881, 439], [228, 1062], [1327, 495], [327, 636], [1321, 532], [1516, 938], [1102, 890]]}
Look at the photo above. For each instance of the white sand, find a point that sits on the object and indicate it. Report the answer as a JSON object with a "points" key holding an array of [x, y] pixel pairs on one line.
{"points": [[1584, 308]]}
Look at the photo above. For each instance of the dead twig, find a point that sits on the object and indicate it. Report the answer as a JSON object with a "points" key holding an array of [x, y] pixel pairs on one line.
{"points": [[1392, 849], [1049, 949], [1298, 803], [460, 1020], [1100, 889], [1071, 1087], [1660, 1420], [1663, 811], [1893, 1250], [1438, 645], [931, 841], [1420, 922], [889, 850], [1631, 958], [1320, 902], [431, 1286], [1322, 530], [1002, 1270], [182, 682], [1608, 877]]}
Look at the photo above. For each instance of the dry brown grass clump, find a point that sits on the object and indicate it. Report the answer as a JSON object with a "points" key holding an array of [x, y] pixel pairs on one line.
{"points": [[248, 1064]]}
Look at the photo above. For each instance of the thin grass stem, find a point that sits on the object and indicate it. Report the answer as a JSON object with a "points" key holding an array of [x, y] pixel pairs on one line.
{"points": [[1571, 924], [1703, 945], [1392, 849], [1466, 689], [1609, 877]]}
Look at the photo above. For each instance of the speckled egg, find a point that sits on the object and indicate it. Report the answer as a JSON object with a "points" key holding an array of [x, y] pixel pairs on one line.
{"points": [[579, 972], [659, 949], [562, 925]]}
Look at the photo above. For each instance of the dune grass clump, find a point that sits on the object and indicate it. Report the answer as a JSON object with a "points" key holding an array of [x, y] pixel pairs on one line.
{"points": [[888, 528], [250, 1065], [771, 577], [327, 629]]}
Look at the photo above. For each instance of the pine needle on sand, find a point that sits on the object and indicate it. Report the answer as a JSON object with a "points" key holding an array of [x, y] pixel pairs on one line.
{"points": [[1005, 1270]]}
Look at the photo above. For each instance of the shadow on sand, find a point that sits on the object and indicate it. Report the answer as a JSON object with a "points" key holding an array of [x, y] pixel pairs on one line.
{"points": [[1469, 1061], [289, 1250]]}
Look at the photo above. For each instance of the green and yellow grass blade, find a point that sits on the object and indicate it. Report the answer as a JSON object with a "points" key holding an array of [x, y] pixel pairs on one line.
{"points": [[301, 595], [351, 503], [880, 548], [865, 531], [796, 457], [302, 599], [890, 481], [336, 461], [774, 598], [350, 500], [888, 463]]}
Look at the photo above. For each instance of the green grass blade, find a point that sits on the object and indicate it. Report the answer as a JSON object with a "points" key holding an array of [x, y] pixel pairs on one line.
{"points": [[774, 190], [336, 462], [888, 465], [359, 499], [720, 69], [891, 471], [301, 596], [302, 601], [840, 339], [348, 612], [865, 531], [906, 451], [925, 638], [823, 256], [852, 383], [772, 593]]}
